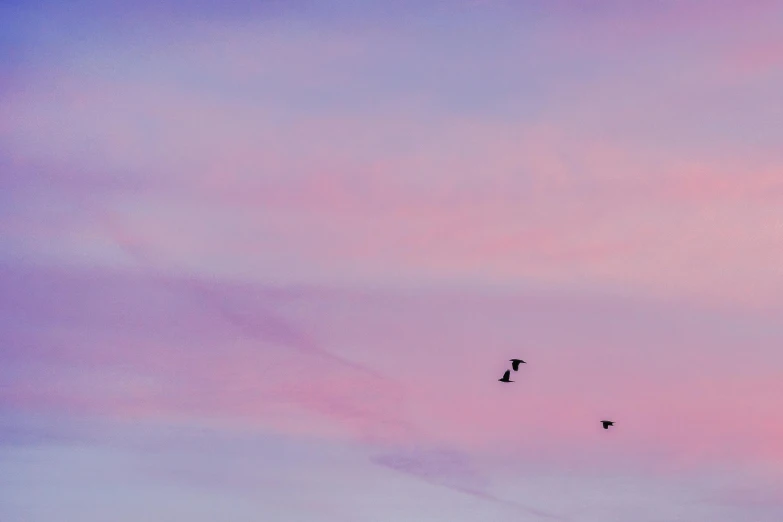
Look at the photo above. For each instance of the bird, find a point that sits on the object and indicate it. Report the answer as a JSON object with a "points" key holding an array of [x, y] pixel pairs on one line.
{"points": [[515, 363], [506, 377], [607, 424]]}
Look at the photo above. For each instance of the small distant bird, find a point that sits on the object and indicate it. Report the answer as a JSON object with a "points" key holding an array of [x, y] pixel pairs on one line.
{"points": [[506, 377], [515, 363], [607, 424]]}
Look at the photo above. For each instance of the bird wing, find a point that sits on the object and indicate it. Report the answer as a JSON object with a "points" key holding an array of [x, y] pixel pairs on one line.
{"points": [[515, 365], [507, 374]]}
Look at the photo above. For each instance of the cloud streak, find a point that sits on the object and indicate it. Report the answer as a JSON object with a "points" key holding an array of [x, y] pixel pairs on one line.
{"points": [[451, 470]]}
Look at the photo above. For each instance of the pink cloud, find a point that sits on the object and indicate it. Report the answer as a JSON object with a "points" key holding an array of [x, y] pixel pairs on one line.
{"points": [[430, 378], [550, 206]]}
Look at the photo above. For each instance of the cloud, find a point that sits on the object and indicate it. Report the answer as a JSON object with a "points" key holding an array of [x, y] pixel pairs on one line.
{"points": [[149, 346], [146, 342], [250, 172], [452, 470]]}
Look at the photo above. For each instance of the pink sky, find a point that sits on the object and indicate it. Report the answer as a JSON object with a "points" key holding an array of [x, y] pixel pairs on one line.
{"points": [[268, 263]]}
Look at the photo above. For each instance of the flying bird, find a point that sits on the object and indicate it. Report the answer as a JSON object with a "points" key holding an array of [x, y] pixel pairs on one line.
{"points": [[515, 363], [607, 424], [506, 377]]}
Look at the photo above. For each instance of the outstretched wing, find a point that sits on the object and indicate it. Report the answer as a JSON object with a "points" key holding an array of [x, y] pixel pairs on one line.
{"points": [[506, 375], [515, 365]]}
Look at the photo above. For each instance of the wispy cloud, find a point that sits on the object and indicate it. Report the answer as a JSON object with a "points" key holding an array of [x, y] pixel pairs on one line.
{"points": [[452, 470]]}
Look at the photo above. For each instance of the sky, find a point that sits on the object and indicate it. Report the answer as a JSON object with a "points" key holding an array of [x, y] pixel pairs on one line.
{"points": [[265, 261]]}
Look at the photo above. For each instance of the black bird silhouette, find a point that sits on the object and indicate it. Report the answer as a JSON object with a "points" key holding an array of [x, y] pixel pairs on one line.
{"points": [[506, 377], [515, 363], [607, 424]]}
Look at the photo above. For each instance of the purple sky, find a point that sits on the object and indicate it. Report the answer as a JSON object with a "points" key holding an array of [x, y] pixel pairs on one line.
{"points": [[265, 261]]}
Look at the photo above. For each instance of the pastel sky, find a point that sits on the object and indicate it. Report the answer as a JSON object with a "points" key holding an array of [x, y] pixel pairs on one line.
{"points": [[265, 261]]}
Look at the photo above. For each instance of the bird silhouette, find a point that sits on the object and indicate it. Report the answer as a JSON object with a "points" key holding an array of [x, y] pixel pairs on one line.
{"points": [[515, 363], [506, 377], [607, 424]]}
